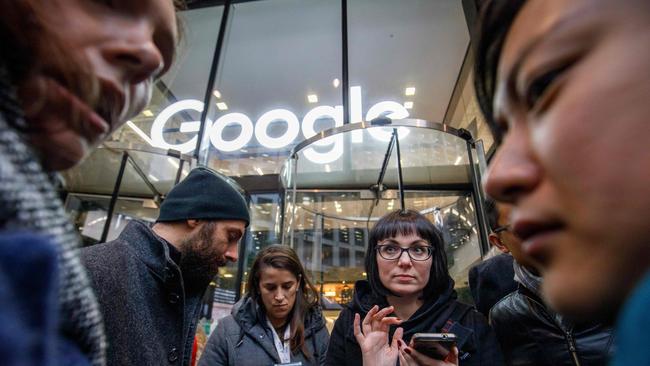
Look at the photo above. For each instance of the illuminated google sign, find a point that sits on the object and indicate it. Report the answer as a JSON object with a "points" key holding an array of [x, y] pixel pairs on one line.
{"points": [[214, 130]]}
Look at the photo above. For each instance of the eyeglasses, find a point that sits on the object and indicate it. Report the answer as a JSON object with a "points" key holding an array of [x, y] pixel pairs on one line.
{"points": [[393, 252], [501, 228]]}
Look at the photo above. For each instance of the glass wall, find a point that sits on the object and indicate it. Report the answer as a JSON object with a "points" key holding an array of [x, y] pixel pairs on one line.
{"points": [[279, 80]]}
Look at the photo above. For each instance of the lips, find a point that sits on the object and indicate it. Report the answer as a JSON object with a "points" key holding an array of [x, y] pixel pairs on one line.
{"points": [[537, 237], [112, 100], [404, 277]]}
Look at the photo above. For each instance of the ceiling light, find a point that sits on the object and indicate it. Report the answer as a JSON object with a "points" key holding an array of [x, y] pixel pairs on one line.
{"points": [[312, 98], [409, 91], [327, 168], [408, 105], [147, 113], [216, 94], [227, 275], [458, 159], [336, 82], [222, 106], [259, 171], [153, 178]]}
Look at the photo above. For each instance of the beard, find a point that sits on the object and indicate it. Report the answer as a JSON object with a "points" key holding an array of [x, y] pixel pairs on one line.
{"points": [[201, 258]]}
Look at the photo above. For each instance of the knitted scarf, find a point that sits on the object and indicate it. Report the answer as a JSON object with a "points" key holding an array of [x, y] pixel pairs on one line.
{"points": [[29, 201]]}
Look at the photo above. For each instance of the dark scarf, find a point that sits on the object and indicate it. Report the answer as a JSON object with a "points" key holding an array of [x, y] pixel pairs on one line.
{"points": [[29, 201]]}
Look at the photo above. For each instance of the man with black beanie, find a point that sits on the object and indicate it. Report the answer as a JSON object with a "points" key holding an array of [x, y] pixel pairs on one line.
{"points": [[150, 280]]}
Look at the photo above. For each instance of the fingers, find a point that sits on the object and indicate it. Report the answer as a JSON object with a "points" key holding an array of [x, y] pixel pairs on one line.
{"points": [[356, 328], [367, 320], [405, 359], [397, 338], [452, 357]]}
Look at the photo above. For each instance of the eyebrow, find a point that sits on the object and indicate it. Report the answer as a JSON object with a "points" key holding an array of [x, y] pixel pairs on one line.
{"points": [[566, 21], [419, 241]]}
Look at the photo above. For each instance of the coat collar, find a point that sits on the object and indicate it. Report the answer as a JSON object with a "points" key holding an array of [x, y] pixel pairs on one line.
{"points": [[151, 249]]}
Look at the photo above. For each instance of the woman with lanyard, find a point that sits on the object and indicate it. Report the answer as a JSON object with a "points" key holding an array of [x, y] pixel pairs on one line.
{"points": [[278, 321], [408, 291]]}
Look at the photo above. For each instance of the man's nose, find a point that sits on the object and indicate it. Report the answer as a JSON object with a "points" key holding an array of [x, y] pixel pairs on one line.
{"points": [[514, 170], [137, 57], [232, 254]]}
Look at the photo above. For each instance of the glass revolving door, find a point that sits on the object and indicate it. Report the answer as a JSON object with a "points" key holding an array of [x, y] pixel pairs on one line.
{"points": [[341, 181]]}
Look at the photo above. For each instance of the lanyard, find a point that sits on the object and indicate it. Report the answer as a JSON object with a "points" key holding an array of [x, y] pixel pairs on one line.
{"points": [[282, 347]]}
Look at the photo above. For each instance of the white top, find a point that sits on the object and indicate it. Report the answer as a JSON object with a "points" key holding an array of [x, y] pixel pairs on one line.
{"points": [[284, 351]]}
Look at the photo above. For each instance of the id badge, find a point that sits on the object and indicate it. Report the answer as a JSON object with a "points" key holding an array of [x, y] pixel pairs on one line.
{"points": [[289, 364]]}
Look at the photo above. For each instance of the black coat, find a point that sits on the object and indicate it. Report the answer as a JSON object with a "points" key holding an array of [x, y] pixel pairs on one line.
{"points": [[531, 334], [491, 280], [476, 340], [150, 318]]}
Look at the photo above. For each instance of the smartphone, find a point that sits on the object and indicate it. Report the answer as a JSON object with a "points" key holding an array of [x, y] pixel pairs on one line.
{"points": [[434, 345]]}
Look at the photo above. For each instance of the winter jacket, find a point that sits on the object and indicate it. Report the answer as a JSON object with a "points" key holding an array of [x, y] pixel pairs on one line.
{"points": [[532, 334], [490, 281], [150, 315], [632, 328], [476, 340], [29, 201], [244, 339]]}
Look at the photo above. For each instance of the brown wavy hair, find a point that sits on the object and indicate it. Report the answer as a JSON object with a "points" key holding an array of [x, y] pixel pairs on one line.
{"points": [[307, 299]]}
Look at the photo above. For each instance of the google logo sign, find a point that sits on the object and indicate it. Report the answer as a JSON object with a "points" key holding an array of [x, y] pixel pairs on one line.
{"points": [[214, 130]]}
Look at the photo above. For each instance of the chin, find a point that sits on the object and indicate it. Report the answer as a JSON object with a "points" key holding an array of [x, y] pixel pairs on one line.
{"points": [[586, 301], [406, 290], [59, 155]]}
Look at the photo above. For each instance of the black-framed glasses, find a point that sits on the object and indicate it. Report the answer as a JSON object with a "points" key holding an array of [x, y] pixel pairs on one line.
{"points": [[501, 228], [393, 252]]}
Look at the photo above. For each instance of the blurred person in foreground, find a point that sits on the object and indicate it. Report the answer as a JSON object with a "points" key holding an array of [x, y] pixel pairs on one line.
{"points": [[565, 87], [532, 334], [71, 72], [150, 280], [408, 291], [279, 321], [494, 278]]}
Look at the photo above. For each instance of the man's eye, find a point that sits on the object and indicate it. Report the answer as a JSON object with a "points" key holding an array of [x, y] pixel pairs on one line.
{"points": [[107, 3], [540, 86]]}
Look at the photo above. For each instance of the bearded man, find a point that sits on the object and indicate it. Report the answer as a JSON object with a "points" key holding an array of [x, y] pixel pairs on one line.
{"points": [[150, 281]]}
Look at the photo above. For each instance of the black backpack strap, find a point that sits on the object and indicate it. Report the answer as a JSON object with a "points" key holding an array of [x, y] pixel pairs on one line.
{"points": [[463, 334], [457, 314]]}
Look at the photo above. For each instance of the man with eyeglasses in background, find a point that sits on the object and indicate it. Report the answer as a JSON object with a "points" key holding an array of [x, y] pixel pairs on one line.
{"points": [[530, 333], [493, 279]]}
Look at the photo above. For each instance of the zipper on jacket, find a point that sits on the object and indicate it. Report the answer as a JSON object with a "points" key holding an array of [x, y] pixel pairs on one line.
{"points": [[572, 348]]}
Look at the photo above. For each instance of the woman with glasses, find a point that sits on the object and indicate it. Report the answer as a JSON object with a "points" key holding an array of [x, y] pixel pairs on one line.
{"points": [[408, 291], [279, 321]]}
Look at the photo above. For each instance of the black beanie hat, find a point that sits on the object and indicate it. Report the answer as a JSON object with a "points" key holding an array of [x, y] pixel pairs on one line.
{"points": [[204, 195]]}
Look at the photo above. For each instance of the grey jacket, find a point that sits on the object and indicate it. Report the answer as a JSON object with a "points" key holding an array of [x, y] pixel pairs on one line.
{"points": [[150, 318], [244, 339]]}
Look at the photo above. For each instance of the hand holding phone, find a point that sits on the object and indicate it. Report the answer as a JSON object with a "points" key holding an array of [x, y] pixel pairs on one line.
{"points": [[434, 345]]}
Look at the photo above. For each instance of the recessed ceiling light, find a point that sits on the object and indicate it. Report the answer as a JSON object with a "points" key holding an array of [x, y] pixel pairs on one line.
{"points": [[336, 82], [147, 113], [409, 91], [312, 98], [222, 106], [217, 94], [408, 105]]}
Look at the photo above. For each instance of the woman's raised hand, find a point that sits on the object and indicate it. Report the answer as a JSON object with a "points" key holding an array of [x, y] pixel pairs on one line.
{"points": [[372, 336]]}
